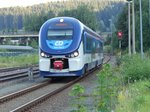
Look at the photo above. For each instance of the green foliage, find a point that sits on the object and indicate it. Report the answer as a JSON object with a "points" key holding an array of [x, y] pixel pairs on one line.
{"points": [[134, 98], [123, 25], [148, 53], [111, 92], [77, 92], [107, 49], [84, 13], [24, 60], [3, 50], [34, 44], [31, 18], [135, 68], [106, 90], [33, 22]]}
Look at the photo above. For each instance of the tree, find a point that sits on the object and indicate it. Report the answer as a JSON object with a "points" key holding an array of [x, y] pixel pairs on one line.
{"points": [[123, 26], [34, 21], [83, 13]]}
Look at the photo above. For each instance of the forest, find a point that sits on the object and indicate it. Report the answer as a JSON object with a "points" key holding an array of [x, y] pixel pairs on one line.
{"points": [[95, 14]]}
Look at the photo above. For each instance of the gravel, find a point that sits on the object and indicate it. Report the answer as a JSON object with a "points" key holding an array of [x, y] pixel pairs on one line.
{"points": [[10, 87], [14, 103], [62, 102]]}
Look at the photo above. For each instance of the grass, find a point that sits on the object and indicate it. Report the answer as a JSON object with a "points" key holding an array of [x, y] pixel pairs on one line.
{"points": [[124, 88], [135, 94], [134, 98], [13, 61], [135, 68]]}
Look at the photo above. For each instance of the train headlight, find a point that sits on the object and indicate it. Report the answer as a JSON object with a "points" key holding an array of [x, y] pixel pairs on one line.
{"points": [[75, 54], [72, 55], [45, 55], [42, 54]]}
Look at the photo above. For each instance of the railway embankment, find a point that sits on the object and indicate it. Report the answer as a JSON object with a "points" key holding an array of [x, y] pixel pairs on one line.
{"points": [[80, 96], [108, 89], [123, 85], [135, 92]]}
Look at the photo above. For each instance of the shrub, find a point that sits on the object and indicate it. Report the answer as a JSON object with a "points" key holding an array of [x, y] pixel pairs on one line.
{"points": [[107, 89], [77, 92], [135, 68]]}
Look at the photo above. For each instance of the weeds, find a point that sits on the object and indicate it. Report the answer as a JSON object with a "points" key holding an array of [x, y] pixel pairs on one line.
{"points": [[125, 88], [24, 60], [136, 98], [104, 95], [135, 68], [77, 92], [106, 89]]}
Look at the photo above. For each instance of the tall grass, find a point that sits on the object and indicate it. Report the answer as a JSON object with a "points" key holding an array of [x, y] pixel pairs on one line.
{"points": [[13, 61], [134, 98], [134, 68]]}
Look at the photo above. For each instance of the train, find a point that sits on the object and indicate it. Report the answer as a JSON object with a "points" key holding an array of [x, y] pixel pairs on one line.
{"points": [[68, 48]]}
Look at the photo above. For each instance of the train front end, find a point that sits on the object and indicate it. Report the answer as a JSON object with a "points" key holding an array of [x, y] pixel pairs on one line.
{"points": [[60, 48]]}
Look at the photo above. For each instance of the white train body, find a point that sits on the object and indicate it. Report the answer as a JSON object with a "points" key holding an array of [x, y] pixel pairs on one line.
{"points": [[68, 48]]}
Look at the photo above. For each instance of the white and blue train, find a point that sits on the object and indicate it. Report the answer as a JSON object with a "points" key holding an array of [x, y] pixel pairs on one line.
{"points": [[68, 48]]}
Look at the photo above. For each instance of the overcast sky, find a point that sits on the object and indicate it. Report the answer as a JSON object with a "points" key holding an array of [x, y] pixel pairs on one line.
{"points": [[11, 3]]}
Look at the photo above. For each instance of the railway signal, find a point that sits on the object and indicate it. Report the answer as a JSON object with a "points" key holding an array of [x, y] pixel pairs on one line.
{"points": [[119, 35]]}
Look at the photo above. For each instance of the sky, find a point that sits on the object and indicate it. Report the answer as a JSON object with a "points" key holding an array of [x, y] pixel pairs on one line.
{"points": [[12, 3]]}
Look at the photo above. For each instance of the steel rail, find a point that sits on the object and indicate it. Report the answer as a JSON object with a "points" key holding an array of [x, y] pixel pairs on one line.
{"points": [[44, 97], [13, 76], [107, 59], [15, 68], [22, 92]]}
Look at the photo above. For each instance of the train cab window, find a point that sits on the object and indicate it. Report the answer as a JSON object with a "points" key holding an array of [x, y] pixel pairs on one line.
{"points": [[60, 34]]}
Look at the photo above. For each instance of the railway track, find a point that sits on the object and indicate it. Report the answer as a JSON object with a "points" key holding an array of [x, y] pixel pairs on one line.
{"points": [[13, 68], [15, 75], [106, 59], [42, 97], [22, 92], [47, 95]]}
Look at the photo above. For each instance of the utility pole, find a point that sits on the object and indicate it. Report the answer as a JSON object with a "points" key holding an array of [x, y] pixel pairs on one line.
{"points": [[133, 28], [141, 32], [149, 14], [129, 29]]}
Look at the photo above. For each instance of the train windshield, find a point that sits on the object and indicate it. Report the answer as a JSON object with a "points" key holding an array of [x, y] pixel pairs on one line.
{"points": [[60, 34]]}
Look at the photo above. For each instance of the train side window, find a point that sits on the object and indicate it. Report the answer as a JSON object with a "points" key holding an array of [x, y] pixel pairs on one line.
{"points": [[101, 47], [87, 43], [94, 45], [97, 47]]}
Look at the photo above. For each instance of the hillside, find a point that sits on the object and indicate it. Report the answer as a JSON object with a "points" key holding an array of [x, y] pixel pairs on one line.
{"points": [[14, 18]]}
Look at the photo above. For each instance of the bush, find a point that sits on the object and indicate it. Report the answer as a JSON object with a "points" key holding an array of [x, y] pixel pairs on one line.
{"points": [[148, 53], [135, 68], [107, 49]]}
